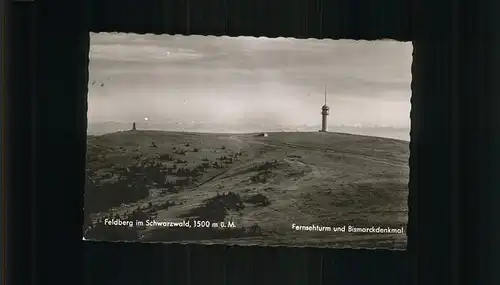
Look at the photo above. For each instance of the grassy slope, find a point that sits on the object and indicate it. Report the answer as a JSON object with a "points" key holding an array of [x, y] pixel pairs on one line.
{"points": [[304, 178]]}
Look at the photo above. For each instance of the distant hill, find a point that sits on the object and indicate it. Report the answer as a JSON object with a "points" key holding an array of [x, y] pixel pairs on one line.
{"points": [[262, 184], [370, 130]]}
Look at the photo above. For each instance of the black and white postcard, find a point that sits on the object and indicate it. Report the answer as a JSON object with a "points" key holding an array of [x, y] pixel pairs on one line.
{"points": [[248, 141]]}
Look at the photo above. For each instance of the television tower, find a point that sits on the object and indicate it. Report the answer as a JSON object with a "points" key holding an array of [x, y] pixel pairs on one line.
{"points": [[325, 111]]}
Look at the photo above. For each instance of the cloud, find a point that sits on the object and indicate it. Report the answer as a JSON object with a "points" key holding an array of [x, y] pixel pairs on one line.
{"points": [[235, 79]]}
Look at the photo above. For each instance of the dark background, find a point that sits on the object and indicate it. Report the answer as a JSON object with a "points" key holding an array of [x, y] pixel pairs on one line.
{"points": [[454, 160]]}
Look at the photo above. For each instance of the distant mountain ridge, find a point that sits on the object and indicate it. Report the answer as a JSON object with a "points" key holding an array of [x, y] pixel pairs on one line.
{"points": [[99, 128]]}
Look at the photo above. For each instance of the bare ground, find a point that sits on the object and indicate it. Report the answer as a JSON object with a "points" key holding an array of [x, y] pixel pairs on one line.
{"points": [[261, 184]]}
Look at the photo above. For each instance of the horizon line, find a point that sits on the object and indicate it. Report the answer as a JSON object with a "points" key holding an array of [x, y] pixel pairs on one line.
{"points": [[247, 133]]}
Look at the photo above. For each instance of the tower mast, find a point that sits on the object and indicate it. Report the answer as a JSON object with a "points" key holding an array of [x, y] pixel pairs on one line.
{"points": [[325, 93]]}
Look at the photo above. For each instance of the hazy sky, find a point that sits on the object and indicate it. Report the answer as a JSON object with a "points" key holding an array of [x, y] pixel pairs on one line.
{"points": [[240, 80]]}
